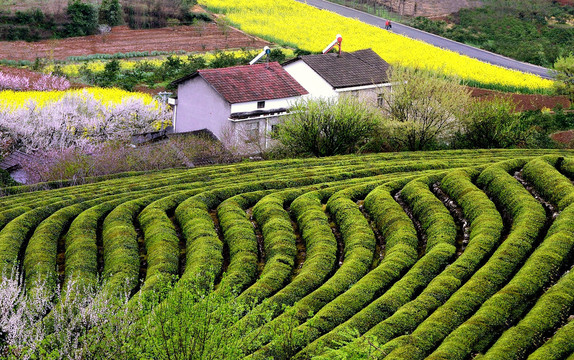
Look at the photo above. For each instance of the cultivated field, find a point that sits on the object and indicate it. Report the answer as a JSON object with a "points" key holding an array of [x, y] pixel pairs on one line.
{"points": [[197, 38], [438, 255]]}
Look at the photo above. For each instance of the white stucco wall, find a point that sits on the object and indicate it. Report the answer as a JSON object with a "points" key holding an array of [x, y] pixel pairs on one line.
{"points": [[269, 105], [367, 94], [310, 80], [200, 107]]}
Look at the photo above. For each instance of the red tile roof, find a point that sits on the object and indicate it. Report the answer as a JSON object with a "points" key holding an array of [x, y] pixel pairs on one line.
{"points": [[257, 82]]}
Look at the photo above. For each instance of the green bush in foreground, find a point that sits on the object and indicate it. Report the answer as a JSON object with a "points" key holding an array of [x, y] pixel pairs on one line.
{"points": [[327, 127], [96, 325]]}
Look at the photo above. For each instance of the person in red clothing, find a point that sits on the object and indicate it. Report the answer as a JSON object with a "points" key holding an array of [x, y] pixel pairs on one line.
{"points": [[388, 24]]}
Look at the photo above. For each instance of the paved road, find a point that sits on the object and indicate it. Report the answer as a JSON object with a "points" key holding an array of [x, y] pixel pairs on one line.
{"points": [[441, 42]]}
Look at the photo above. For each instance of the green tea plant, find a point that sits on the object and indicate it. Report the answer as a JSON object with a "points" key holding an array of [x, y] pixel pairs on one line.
{"points": [[355, 256]]}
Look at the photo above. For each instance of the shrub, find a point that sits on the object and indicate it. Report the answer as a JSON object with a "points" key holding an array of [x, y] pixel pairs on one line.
{"points": [[327, 127], [78, 165], [565, 76], [424, 107], [83, 19], [493, 124], [111, 13]]}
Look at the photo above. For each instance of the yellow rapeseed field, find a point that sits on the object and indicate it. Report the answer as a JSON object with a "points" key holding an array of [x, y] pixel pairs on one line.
{"points": [[15, 99], [296, 24], [73, 69]]}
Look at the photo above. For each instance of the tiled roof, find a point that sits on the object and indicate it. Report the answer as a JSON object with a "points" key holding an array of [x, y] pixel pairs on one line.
{"points": [[362, 67], [14, 160], [257, 82]]}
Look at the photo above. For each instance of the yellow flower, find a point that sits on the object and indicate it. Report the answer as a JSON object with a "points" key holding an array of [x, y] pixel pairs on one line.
{"points": [[110, 97], [299, 25]]}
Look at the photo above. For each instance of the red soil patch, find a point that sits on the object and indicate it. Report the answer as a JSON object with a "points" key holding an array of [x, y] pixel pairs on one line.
{"points": [[524, 102], [201, 37], [33, 75], [565, 138], [147, 90], [24, 73]]}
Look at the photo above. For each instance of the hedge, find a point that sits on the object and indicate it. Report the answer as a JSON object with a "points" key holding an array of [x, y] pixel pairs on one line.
{"points": [[359, 242], [485, 230], [528, 221], [440, 230]]}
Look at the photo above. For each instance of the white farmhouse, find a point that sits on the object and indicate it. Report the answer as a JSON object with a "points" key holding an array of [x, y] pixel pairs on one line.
{"points": [[235, 102], [362, 74]]}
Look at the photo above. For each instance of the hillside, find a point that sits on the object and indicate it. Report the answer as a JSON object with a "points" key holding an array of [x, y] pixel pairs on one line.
{"points": [[428, 8], [439, 254], [532, 31]]}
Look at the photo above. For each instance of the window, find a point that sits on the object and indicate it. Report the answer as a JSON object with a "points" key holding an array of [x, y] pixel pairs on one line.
{"points": [[252, 131], [261, 104], [274, 128], [380, 100]]}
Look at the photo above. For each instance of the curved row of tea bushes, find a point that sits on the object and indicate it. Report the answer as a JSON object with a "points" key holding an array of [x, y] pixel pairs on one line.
{"points": [[558, 347], [40, 256], [240, 237], [81, 257], [320, 246], [551, 184], [161, 240], [486, 228], [120, 241], [545, 316], [359, 245], [280, 244], [7, 215], [557, 302], [320, 259], [528, 221], [440, 231], [436, 221], [14, 235], [509, 304], [203, 256], [567, 166]]}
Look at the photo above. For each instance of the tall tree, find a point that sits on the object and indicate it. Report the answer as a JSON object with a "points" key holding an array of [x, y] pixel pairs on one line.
{"points": [[565, 76], [111, 13], [82, 17], [422, 107]]}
